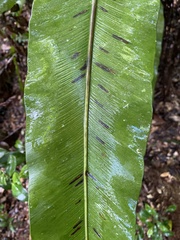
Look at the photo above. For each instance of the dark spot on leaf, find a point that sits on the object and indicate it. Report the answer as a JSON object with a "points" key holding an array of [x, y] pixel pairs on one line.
{"points": [[103, 9], [90, 175], [103, 154], [80, 13], [76, 178], [98, 103], [103, 88], [78, 78], [102, 216], [75, 55], [104, 50], [104, 68], [100, 140], [77, 184], [103, 124], [75, 226], [84, 66], [120, 39], [75, 230], [97, 233], [78, 201]]}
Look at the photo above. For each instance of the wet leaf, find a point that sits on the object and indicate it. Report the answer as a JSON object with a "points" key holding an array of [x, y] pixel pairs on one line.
{"points": [[19, 192], [24, 172], [150, 232], [11, 165], [151, 211], [162, 227], [88, 102], [144, 216]]}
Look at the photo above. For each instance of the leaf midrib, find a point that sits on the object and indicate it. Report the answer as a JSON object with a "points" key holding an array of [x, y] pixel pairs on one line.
{"points": [[86, 110]]}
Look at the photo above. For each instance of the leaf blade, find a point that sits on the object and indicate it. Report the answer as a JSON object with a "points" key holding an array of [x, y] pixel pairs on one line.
{"points": [[55, 117], [118, 122]]}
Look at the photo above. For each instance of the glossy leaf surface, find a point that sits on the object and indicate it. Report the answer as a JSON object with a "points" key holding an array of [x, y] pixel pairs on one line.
{"points": [[88, 103]]}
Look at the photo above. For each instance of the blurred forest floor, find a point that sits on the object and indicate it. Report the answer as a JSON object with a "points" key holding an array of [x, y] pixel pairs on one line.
{"points": [[161, 182]]}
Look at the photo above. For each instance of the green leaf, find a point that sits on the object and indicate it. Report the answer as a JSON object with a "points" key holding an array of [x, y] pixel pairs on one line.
{"points": [[144, 216], [151, 211], [88, 101], [171, 208], [3, 178], [20, 157], [139, 232], [15, 178], [18, 190], [24, 172], [2, 152], [11, 166], [168, 234], [162, 227], [19, 146], [149, 223], [150, 232], [3, 220]]}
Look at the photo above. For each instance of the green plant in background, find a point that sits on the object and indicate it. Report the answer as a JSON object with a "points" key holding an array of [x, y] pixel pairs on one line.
{"points": [[12, 172], [153, 224], [5, 220]]}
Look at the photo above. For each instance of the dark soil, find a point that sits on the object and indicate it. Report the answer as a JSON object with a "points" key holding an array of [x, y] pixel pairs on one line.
{"points": [[161, 182]]}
